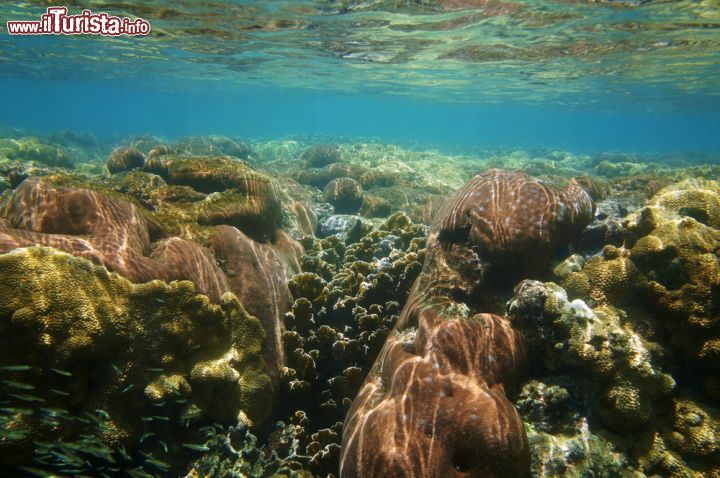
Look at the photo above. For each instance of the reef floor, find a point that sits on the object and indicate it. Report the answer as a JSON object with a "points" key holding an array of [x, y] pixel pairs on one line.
{"points": [[224, 307]]}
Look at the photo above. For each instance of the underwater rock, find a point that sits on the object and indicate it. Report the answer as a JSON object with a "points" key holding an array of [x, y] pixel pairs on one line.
{"points": [[106, 230], [345, 194], [258, 274], [124, 159], [319, 155], [140, 360], [336, 224]]}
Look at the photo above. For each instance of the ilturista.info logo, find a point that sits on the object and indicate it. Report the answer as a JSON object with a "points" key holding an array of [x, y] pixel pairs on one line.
{"points": [[56, 21]]}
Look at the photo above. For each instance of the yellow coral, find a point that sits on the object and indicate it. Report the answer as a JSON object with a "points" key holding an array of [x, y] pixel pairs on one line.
{"points": [[125, 346], [697, 198], [604, 279]]}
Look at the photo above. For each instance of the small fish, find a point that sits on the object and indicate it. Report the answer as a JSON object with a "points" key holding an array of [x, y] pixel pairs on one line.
{"points": [[146, 436], [182, 400], [123, 453], [43, 460], [161, 465], [68, 457], [128, 388], [146, 419], [51, 423], [18, 385], [55, 412], [164, 445], [26, 398], [116, 368], [138, 473], [93, 418], [156, 370], [64, 373], [161, 404], [195, 447], [103, 414], [17, 411], [16, 368], [161, 418], [59, 392], [38, 472], [12, 435]]}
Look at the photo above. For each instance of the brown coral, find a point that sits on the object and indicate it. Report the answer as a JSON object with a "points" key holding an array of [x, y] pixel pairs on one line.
{"points": [[345, 194], [319, 155], [124, 159], [434, 403], [106, 230], [513, 222], [258, 274]]}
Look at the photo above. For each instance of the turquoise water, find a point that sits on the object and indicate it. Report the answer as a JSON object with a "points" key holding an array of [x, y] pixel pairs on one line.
{"points": [[582, 76]]}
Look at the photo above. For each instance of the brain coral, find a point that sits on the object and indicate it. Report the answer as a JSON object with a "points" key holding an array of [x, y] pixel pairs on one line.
{"points": [[237, 195], [319, 155], [125, 159], [434, 403], [513, 222], [150, 356], [345, 194], [107, 230]]}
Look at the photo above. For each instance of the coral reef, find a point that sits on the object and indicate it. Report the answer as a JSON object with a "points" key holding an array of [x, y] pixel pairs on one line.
{"points": [[635, 332], [147, 357], [123, 371], [628, 368], [211, 146]]}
